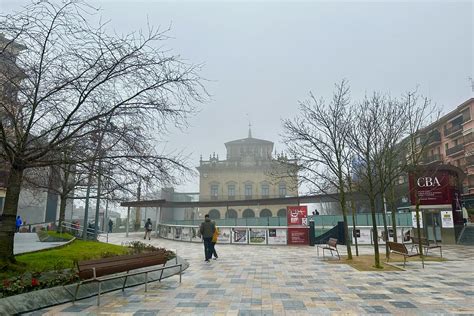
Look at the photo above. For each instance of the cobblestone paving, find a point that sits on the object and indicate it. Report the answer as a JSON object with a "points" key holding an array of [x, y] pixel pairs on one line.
{"points": [[284, 280]]}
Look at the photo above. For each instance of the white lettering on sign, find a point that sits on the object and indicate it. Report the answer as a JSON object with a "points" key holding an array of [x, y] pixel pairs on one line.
{"points": [[428, 182]]}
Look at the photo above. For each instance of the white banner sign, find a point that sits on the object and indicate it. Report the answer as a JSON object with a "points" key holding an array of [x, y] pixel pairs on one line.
{"points": [[447, 219], [277, 236], [413, 219], [224, 236]]}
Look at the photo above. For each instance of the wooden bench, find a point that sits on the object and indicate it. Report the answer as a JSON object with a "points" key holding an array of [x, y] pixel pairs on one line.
{"points": [[425, 244], [110, 268], [331, 246], [401, 249]]}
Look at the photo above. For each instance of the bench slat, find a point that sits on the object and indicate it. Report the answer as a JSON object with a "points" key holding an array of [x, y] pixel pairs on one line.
{"points": [[120, 264]]}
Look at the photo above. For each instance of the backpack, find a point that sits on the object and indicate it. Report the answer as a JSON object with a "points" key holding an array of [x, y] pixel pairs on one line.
{"points": [[148, 226]]}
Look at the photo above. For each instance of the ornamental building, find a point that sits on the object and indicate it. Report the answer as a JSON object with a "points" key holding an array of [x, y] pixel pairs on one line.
{"points": [[249, 172]]}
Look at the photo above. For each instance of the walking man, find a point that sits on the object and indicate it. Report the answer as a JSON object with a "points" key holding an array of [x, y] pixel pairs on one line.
{"points": [[111, 225], [148, 227], [207, 230]]}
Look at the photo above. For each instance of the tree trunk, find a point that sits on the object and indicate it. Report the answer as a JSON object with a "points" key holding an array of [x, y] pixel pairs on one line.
{"points": [[62, 212], [354, 225], [394, 215], [375, 232], [353, 208], [385, 226], [8, 217], [418, 228], [342, 197]]}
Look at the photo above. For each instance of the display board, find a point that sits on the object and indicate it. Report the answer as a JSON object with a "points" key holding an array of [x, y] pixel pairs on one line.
{"points": [[298, 236], [297, 215], [413, 219], [257, 236], [277, 236], [447, 219], [186, 234], [224, 236], [239, 235], [194, 234]]}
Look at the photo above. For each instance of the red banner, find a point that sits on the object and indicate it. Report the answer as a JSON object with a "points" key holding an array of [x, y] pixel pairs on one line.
{"points": [[298, 236], [297, 215], [298, 233]]}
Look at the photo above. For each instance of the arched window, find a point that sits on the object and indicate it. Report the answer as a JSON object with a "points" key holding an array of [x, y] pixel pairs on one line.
{"points": [[281, 212], [248, 213], [231, 213], [265, 213], [214, 214]]}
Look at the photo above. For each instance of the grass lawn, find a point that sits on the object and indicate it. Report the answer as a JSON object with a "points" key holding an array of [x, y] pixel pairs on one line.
{"points": [[366, 262], [62, 258], [65, 236]]}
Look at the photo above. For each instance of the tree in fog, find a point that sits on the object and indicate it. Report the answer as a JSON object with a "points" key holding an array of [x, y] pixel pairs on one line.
{"points": [[382, 139], [62, 75], [317, 137]]}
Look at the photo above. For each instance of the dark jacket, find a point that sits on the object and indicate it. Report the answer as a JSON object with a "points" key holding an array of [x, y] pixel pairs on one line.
{"points": [[207, 228]]}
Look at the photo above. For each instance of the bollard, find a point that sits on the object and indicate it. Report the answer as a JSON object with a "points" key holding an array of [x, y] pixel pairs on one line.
{"points": [[312, 234]]}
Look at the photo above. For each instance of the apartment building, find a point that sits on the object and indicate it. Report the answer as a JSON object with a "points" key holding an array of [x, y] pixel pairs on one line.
{"points": [[451, 141]]}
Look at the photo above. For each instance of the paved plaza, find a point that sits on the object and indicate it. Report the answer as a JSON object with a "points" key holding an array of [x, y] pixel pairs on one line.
{"points": [[28, 242], [285, 280]]}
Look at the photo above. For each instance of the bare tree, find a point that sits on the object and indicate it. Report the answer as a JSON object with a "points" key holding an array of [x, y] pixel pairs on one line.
{"points": [[318, 138], [67, 76], [420, 113]]}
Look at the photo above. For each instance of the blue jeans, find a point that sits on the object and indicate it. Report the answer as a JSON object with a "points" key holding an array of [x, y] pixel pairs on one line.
{"points": [[208, 247]]}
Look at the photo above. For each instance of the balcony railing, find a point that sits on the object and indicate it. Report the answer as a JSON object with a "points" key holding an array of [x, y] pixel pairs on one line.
{"points": [[433, 158], [470, 160], [468, 138], [455, 149], [432, 137], [451, 131]]}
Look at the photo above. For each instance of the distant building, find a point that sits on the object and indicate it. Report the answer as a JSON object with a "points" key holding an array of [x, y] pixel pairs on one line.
{"points": [[249, 172]]}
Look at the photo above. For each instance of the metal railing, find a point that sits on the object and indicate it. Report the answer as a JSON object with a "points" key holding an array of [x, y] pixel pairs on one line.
{"points": [[322, 221], [455, 149], [452, 130]]}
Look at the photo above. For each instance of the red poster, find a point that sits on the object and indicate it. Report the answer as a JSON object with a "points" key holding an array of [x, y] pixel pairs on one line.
{"points": [[297, 215], [298, 236]]}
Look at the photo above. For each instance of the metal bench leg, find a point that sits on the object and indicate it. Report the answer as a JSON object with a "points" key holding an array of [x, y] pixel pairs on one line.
{"points": [[338, 254], [317, 250], [161, 274], [124, 281], [75, 293], [404, 261], [422, 262], [98, 294], [441, 252], [146, 281]]}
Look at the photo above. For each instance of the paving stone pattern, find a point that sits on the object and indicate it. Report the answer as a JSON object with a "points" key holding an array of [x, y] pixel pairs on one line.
{"points": [[282, 280]]}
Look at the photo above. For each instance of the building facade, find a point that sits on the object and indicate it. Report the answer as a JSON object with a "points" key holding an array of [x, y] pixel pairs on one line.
{"points": [[450, 140], [249, 172]]}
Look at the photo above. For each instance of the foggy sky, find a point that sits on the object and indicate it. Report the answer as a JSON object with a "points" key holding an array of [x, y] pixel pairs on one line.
{"points": [[262, 57]]}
